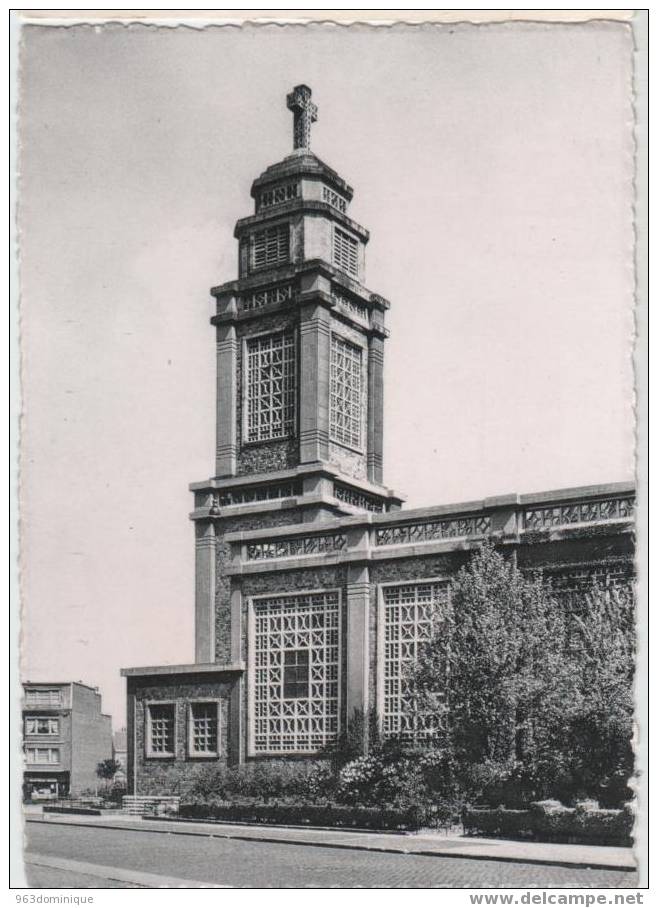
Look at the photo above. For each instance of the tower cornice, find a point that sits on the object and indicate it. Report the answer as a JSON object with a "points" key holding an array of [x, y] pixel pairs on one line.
{"points": [[297, 206], [272, 276]]}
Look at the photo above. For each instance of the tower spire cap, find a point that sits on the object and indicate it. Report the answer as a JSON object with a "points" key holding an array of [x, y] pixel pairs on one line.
{"points": [[305, 113]]}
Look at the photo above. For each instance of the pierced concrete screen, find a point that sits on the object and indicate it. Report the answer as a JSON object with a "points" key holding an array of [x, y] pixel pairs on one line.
{"points": [[270, 383], [294, 674], [408, 611], [346, 392]]}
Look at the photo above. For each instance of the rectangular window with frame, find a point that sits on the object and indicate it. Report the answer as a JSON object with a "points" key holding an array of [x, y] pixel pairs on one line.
{"points": [[270, 386], [270, 246], [408, 613], [38, 725], [203, 737], [346, 252], [43, 697], [346, 389], [294, 674], [161, 727], [42, 755]]}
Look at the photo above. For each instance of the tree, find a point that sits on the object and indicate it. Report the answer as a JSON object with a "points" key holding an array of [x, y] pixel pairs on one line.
{"points": [[525, 701], [107, 769]]}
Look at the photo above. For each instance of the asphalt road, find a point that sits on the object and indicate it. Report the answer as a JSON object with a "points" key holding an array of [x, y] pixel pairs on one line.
{"points": [[263, 864]]}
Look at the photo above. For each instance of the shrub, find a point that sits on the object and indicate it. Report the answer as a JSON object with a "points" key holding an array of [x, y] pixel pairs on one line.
{"points": [[337, 815], [551, 821], [263, 782]]}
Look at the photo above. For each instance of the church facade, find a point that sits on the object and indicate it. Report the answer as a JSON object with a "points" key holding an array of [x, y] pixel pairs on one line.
{"points": [[314, 587]]}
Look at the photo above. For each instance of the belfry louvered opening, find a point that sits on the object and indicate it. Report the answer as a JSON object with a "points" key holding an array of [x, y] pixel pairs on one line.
{"points": [[346, 252], [270, 246]]}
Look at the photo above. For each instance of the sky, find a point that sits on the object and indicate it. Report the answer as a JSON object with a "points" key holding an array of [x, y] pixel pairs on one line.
{"points": [[493, 166]]}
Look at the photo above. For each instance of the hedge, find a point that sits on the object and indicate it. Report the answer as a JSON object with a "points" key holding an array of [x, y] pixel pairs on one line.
{"points": [[82, 811], [312, 815], [551, 822]]}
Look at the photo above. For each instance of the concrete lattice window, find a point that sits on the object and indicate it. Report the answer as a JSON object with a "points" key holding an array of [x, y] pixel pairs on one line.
{"points": [[270, 386], [346, 392], [42, 755], [270, 246], [346, 252], [203, 729], [160, 733], [294, 672], [408, 610], [38, 725]]}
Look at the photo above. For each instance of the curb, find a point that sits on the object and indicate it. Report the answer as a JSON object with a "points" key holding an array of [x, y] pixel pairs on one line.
{"points": [[138, 878], [272, 840]]}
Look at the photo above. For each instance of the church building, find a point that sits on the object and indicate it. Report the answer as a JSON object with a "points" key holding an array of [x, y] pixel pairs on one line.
{"points": [[314, 586]]}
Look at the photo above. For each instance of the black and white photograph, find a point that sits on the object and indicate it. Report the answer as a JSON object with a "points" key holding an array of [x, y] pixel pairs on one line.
{"points": [[329, 463]]}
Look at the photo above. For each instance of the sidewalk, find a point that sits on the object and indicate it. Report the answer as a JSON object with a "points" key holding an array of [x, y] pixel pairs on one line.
{"points": [[424, 843]]}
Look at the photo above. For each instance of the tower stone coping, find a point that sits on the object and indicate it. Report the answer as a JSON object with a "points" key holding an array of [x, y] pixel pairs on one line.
{"points": [[289, 272], [183, 669], [318, 469], [298, 502], [306, 165], [296, 206]]}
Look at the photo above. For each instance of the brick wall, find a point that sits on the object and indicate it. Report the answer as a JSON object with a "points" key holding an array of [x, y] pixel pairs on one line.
{"points": [[153, 775], [285, 517], [91, 739]]}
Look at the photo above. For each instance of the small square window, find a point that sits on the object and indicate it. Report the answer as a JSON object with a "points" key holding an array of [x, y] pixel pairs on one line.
{"points": [[203, 729], [161, 729]]}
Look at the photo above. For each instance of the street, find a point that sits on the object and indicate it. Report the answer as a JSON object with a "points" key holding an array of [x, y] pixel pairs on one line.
{"points": [[265, 864]]}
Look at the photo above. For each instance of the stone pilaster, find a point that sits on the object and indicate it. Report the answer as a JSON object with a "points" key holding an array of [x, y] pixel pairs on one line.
{"points": [[235, 745], [358, 661], [226, 456], [314, 384], [376, 409], [204, 623], [236, 622]]}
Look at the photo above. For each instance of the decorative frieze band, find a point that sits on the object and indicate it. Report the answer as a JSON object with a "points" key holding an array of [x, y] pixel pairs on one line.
{"points": [[478, 525], [284, 293], [357, 499], [249, 494], [295, 546], [334, 199], [579, 512], [278, 195], [351, 305]]}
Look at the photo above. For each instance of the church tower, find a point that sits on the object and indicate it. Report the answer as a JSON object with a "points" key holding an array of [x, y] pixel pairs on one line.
{"points": [[313, 590], [300, 358]]}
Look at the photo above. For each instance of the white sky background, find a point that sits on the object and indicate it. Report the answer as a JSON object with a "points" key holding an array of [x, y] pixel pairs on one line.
{"points": [[493, 166]]}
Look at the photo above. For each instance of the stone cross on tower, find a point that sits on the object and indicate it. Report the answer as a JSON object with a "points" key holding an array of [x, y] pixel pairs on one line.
{"points": [[305, 113]]}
